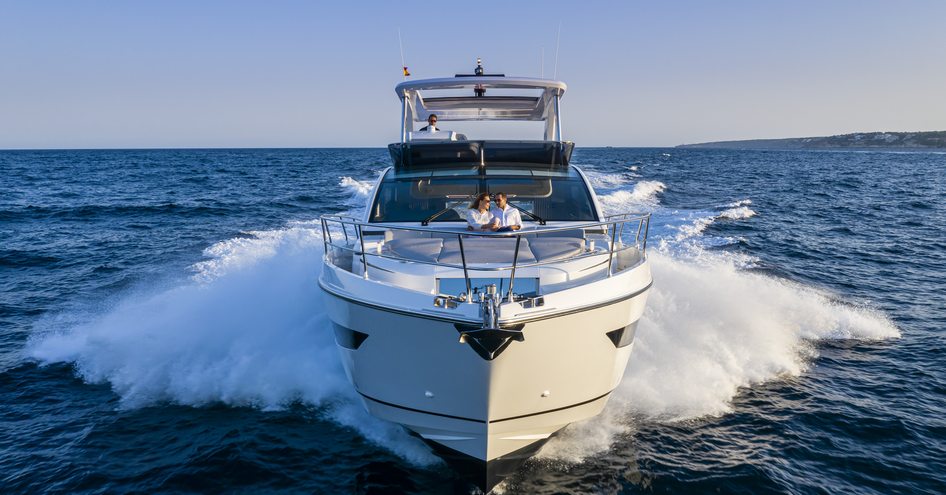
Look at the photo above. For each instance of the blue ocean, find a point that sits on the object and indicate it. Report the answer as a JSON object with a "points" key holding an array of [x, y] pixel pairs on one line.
{"points": [[162, 330]]}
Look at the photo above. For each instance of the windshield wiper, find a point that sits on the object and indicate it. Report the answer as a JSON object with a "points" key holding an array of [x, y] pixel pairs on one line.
{"points": [[527, 212], [441, 212]]}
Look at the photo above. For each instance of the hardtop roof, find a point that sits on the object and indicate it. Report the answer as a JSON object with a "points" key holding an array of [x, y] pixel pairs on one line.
{"points": [[421, 95]]}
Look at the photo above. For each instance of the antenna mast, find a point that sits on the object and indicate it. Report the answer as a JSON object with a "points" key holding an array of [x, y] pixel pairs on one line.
{"points": [[400, 45], [558, 39]]}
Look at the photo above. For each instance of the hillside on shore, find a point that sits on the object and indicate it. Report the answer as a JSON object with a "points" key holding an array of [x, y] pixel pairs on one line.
{"points": [[931, 140]]}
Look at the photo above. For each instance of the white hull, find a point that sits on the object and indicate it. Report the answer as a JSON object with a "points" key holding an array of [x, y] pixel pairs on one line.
{"points": [[411, 368], [484, 341]]}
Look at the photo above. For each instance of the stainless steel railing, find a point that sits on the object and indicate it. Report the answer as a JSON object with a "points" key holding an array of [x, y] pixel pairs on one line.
{"points": [[347, 234]]}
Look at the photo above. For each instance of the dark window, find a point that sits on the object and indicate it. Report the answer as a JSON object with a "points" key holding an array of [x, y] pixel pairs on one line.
{"points": [[412, 199]]}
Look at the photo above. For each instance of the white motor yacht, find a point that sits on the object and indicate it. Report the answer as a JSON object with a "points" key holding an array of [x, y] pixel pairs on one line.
{"points": [[484, 343]]}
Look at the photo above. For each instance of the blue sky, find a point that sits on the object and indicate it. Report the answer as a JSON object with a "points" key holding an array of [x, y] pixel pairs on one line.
{"points": [[102, 74]]}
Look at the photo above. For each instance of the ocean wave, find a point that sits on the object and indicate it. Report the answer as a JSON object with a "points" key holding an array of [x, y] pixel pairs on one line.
{"points": [[359, 188], [707, 331], [16, 258], [737, 213], [682, 233], [92, 211], [602, 180], [642, 196], [250, 329]]}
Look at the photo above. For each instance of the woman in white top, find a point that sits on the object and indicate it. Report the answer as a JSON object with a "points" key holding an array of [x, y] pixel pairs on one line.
{"points": [[479, 217]]}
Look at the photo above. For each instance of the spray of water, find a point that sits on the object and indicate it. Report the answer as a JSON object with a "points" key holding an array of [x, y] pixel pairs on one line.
{"points": [[250, 329], [708, 330]]}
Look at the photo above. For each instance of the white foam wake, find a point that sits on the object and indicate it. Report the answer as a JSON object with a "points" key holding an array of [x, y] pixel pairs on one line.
{"points": [[642, 196], [601, 180], [250, 330], [708, 330], [359, 188], [738, 213]]}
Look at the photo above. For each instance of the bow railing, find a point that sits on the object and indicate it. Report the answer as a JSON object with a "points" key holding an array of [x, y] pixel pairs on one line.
{"points": [[619, 241]]}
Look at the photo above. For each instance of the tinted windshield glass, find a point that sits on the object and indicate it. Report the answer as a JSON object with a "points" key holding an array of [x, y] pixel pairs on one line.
{"points": [[415, 199]]}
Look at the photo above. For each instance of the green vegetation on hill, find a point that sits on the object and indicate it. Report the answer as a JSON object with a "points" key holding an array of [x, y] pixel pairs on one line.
{"points": [[859, 140]]}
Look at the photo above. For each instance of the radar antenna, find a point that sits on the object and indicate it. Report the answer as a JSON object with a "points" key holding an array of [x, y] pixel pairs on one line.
{"points": [[479, 90]]}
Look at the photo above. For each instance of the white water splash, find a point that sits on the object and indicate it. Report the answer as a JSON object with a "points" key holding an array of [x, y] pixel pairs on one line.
{"points": [[601, 180], [738, 213], [250, 329], [708, 330], [359, 188], [642, 196], [360, 194], [737, 210]]}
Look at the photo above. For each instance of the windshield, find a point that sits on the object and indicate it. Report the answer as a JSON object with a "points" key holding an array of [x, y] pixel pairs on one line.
{"points": [[552, 197]]}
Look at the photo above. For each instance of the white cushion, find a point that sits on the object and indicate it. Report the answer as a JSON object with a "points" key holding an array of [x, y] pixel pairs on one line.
{"points": [[415, 248], [433, 136], [555, 248], [485, 250]]}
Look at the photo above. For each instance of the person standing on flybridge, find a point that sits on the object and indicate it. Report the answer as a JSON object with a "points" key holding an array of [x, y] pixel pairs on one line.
{"points": [[507, 215], [431, 124]]}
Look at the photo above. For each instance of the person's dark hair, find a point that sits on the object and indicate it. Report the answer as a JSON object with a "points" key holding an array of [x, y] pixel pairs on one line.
{"points": [[432, 115], [500, 195], [475, 205]]}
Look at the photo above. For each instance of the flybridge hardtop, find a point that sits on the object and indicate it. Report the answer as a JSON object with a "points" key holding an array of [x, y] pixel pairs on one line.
{"points": [[480, 97], [483, 107]]}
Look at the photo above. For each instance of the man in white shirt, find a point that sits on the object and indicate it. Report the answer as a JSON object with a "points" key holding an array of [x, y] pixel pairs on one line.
{"points": [[431, 124], [508, 216]]}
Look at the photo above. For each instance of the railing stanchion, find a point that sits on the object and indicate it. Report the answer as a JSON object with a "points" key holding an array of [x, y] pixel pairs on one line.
{"points": [[364, 260], [515, 260], [466, 275], [614, 231], [324, 238], [646, 232]]}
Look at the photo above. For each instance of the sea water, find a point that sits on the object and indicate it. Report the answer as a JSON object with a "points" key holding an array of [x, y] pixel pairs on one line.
{"points": [[163, 330]]}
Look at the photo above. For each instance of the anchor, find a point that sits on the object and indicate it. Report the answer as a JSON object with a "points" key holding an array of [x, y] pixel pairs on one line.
{"points": [[490, 340]]}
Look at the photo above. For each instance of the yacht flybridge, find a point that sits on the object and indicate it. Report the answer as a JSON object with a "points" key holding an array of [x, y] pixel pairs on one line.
{"points": [[484, 344]]}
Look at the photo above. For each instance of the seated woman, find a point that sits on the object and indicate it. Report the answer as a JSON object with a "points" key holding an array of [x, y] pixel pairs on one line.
{"points": [[479, 216]]}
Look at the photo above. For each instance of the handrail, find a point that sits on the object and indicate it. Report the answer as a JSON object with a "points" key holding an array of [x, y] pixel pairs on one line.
{"points": [[545, 230], [611, 222]]}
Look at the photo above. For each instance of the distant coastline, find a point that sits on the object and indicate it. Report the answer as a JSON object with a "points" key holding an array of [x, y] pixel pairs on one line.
{"points": [[904, 141]]}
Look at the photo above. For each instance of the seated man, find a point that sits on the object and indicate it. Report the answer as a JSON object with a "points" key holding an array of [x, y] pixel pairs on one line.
{"points": [[507, 215], [431, 124]]}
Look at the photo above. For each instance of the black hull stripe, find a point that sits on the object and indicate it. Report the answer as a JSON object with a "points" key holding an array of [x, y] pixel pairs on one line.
{"points": [[511, 322], [480, 420], [589, 401], [420, 410]]}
